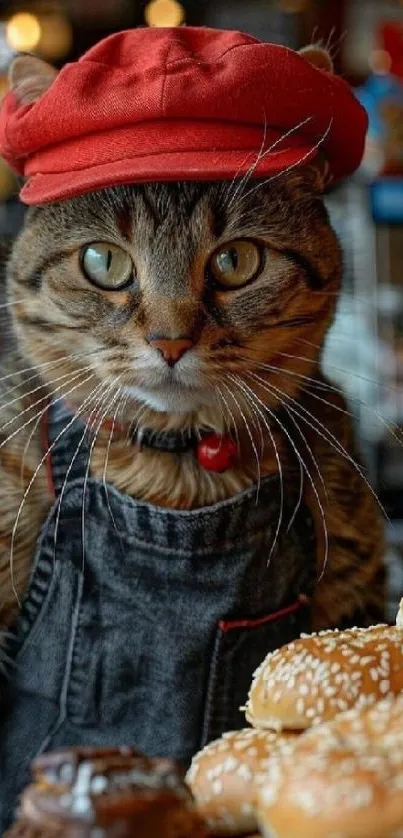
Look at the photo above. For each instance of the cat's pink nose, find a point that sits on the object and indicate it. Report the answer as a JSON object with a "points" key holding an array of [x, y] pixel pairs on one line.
{"points": [[171, 349]]}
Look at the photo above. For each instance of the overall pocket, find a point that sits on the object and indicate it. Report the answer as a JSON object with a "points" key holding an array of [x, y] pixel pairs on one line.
{"points": [[44, 579], [239, 648]]}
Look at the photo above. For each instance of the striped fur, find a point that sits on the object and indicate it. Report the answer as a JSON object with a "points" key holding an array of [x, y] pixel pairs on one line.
{"points": [[255, 366]]}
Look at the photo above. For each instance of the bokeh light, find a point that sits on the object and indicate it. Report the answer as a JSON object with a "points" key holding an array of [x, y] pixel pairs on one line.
{"points": [[164, 13], [380, 61], [23, 32]]}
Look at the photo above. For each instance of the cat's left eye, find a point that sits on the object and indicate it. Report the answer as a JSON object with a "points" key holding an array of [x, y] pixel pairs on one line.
{"points": [[107, 266], [235, 264]]}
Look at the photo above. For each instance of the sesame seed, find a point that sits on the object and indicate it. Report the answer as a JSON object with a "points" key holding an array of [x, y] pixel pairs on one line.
{"points": [[300, 706], [245, 773], [230, 763], [217, 786]]}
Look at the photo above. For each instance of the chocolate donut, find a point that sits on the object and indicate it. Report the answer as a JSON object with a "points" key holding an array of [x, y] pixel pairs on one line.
{"points": [[107, 793]]}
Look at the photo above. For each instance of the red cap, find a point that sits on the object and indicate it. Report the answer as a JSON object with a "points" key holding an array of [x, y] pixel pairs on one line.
{"points": [[179, 104]]}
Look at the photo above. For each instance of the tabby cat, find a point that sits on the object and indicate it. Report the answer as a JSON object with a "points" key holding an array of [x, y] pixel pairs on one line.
{"points": [[187, 306]]}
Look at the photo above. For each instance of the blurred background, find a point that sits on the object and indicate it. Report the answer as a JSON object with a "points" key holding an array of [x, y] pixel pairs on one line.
{"points": [[364, 352]]}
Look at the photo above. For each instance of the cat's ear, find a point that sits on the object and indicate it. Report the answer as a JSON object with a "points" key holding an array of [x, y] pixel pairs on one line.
{"points": [[318, 56], [29, 78], [310, 179], [317, 175]]}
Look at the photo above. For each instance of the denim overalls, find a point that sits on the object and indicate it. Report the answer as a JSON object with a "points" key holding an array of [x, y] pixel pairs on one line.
{"points": [[143, 625]]}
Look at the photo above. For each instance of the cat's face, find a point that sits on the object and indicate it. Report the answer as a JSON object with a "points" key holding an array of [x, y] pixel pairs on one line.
{"points": [[179, 292]]}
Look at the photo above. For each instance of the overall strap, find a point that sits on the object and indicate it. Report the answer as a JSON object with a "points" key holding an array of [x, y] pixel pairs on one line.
{"points": [[65, 442]]}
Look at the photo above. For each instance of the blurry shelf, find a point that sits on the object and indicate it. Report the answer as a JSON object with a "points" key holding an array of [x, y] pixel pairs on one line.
{"points": [[394, 533]]}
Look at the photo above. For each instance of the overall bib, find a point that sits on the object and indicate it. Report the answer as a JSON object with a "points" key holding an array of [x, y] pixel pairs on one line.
{"points": [[144, 625]]}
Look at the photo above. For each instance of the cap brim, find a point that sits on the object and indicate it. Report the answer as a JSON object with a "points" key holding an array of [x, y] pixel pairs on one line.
{"points": [[166, 167]]}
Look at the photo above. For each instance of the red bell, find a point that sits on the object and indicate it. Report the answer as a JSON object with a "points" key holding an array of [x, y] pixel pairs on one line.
{"points": [[217, 453]]}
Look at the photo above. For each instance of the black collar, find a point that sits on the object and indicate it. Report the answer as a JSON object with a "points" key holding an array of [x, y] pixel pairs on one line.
{"points": [[174, 442]]}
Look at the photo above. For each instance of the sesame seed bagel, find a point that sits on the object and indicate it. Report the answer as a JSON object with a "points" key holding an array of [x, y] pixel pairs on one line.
{"points": [[320, 675], [343, 779], [223, 775]]}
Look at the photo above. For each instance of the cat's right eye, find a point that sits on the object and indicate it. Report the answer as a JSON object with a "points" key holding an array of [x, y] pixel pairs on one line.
{"points": [[107, 266]]}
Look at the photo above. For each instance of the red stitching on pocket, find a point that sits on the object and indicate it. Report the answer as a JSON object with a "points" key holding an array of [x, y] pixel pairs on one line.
{"points": [[229, 625]]}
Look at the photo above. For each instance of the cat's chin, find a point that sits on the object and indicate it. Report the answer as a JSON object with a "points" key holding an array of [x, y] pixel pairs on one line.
{"points": [[171, 399]]}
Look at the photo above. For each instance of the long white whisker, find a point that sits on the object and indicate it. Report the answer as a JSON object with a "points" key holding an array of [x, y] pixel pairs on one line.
{"points": [[250, 171], [43, 411], [122, 401], [225, 422], [252, 441], [299, 162], [44, 398], [36, 389], [284, 371], [391, 427], [312, 383], [47, 364], [276, 391], [327, 435], [15, 302], [248, 390], [262, 154], [307, 472], [134, 424], [316, 465], [104, 396], [232, 417], [35, 428], [24, 381], [337, 369], [256, 423], [25, 495], [26, 447], [97, 392], [334, 442]]}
